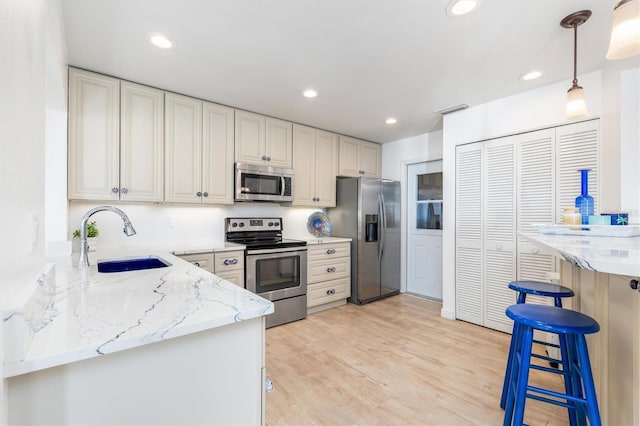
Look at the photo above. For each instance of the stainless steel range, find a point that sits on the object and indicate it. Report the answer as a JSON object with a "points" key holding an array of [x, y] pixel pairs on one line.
{"points": [[276, 268]]}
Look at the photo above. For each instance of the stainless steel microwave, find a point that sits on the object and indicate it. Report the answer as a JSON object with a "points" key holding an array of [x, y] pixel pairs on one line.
{"points": [[263, 183]]}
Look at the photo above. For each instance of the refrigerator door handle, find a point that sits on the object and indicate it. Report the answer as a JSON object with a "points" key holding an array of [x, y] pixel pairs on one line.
{"points": [[383, 226]]}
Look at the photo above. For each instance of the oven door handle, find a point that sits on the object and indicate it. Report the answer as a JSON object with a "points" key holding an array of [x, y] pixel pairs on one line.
{"points": [[276, 251]]}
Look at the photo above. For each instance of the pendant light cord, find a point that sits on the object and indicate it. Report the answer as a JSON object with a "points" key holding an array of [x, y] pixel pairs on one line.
{"points": [[575, 54]]}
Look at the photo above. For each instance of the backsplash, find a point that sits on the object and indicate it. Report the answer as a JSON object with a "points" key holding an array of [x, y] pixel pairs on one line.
{"points": [[176, 226]]}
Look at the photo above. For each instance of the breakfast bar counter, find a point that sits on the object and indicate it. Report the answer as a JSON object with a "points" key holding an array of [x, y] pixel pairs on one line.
{"points": [[603, 272], [169, 345]]}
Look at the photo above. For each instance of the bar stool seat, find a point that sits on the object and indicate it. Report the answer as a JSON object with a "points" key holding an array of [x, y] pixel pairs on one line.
{"points": [[541, 288], [537, 288], [571, 327]]}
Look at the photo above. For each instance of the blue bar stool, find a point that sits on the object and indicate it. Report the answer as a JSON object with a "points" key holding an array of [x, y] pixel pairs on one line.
{"points": [[571, 327], [537, 288]]}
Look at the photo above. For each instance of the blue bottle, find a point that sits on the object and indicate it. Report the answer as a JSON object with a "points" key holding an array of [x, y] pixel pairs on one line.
{"points": [[584, 202]]}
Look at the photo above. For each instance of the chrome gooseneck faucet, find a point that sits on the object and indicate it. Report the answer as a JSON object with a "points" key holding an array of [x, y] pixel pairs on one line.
{"points": [[84, 247]]}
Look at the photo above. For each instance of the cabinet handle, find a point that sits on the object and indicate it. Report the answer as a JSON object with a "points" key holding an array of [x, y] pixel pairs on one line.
{"points": [[331, 251], [233, 261], [199, 194], [361, 172], [268, 158], [205, 194], [115, 190], [499, 247], [264, 157], [633, 284], [331, 291], [124, 190], [331, 269], [535, 251], [197, 264]]}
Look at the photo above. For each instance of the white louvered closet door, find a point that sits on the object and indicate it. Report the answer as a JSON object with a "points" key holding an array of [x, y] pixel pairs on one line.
{"points": [[576, 148], [535, 200], [500, 231], [469, 236]]}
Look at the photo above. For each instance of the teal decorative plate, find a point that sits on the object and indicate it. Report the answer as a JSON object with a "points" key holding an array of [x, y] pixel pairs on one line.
{"points": [[319, 224]]}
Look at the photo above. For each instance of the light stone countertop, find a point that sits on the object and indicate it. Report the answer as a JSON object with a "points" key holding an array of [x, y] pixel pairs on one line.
{"points": [[324, 240], [620, 256], [74, 313]]}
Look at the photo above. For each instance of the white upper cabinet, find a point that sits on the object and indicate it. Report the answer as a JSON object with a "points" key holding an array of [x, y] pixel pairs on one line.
{"points": [[315, 164], [93, 136], [141, 143], [115, 139], [217, 154], [263, 140], [359, 158], [199, 151]]}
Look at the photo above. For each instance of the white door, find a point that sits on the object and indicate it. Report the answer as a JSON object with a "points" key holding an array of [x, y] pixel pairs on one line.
{"points": [[424, 229]]}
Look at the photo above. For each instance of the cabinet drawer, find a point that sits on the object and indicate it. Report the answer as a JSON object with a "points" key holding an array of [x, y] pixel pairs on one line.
{"points": [[328, 291], [229, 261], [328, 251], [236, 277], [202, 260], [329, 269]]}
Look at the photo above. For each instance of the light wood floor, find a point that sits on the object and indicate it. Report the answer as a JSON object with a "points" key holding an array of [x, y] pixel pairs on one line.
{"points": [[392, 362]]}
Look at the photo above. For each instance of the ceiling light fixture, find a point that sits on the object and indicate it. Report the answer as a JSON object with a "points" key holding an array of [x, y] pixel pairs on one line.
{"points": [[576, 105], [391, 120], [625, 30], [309, 93], [160, 41], [458, 8], [452, 109], [531, 75]]}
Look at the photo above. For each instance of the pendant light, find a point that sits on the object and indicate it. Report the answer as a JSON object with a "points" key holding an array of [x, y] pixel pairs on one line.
{"points": [[576, 105], [625, 30]]}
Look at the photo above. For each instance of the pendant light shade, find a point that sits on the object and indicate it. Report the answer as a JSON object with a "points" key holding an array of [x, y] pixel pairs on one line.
{"points": [[576, 104], [625, 30]]}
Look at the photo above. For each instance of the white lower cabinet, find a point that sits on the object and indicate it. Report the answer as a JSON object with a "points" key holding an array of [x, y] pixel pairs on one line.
{"points": [[503, 186], [225, 264], [328, 274]]}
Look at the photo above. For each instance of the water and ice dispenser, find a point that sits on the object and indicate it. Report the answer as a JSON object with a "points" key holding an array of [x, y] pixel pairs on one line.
{"points": [[371, 228]]}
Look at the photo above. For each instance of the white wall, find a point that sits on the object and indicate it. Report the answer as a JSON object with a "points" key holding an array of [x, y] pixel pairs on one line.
{"points": [[178, 227], [34, 59], [607, 95]]}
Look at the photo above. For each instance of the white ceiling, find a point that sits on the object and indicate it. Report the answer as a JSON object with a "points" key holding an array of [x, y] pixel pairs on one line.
{"points": [[368, 59]]}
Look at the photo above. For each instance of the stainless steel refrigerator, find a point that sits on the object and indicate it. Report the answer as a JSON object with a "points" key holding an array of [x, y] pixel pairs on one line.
{"points": [[368, 211]]}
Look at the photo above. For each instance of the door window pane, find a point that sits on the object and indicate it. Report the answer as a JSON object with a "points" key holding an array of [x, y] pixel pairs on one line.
{"points": [[429, 186], [429, 215]]}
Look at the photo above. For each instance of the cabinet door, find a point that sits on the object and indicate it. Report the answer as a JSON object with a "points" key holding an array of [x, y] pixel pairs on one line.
{"points": [[370, 159], [141, 143], [500, 231], [469, 235], [93, 136], [183, 149], [279, 143], [535, 200], [250, 137], [217, 154], [326, 169], [304, 165], [576, 148], [349, 162]]}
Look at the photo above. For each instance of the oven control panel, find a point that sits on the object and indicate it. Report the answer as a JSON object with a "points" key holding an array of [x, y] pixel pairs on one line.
{"points": [[240, 224]]}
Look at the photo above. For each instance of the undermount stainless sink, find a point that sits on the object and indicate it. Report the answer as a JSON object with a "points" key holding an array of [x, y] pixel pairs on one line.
{"points": [[132, 264]]}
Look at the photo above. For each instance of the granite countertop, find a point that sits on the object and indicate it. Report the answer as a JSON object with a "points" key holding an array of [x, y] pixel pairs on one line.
{"points": [[74, 313], [611, 255]]}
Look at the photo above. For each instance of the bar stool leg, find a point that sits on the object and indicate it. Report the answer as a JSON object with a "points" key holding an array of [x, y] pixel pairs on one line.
{"points": [[587, 378], [512, 378], [567, 378], [523, 375], [573, 365], [509, 367]]}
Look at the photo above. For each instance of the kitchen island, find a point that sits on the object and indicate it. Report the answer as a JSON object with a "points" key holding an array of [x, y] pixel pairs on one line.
{"points": [[174, 345], [600, 270]]}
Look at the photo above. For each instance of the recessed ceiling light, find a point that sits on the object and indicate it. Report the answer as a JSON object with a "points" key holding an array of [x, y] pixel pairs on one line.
{"points": [[160, 41], [310, 93], [391, 120], [461, 7], [531, 75]]}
